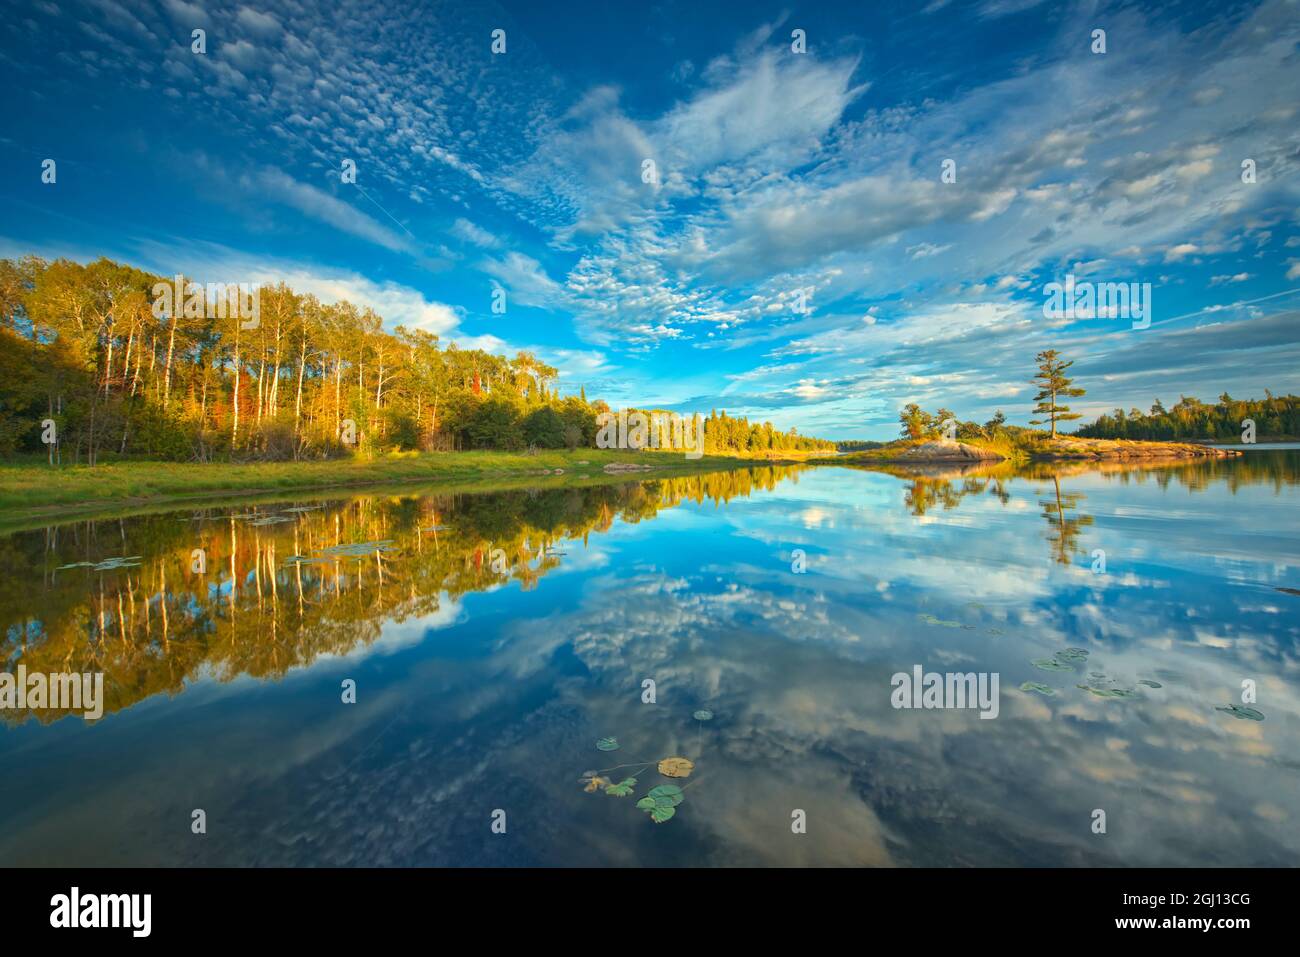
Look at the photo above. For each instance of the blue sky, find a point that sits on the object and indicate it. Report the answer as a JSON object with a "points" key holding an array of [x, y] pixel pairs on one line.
{"points": [[777, 172]]}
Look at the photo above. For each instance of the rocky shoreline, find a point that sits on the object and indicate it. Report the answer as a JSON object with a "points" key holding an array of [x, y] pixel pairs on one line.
{"points": [[1120, 449], [1065, 449]]}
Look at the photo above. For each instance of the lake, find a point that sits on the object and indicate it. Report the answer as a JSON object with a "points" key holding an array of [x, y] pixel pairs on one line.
{"points": [[494, 639]]}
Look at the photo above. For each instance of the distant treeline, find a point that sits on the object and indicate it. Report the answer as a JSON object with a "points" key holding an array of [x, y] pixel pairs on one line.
{"points": [[1274, 417], [857, 445], [724, 435], [95, 351]]}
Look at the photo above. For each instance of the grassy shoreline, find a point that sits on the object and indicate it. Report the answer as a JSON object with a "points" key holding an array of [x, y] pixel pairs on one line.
{"points": [[31, 490]]}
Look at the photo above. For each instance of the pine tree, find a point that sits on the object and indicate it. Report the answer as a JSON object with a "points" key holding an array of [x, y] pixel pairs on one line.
{"points": [[1053, 385]]}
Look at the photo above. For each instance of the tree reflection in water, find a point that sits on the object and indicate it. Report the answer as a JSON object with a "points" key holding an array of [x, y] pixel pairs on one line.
{"points": [[276, 586], [259, 590]]}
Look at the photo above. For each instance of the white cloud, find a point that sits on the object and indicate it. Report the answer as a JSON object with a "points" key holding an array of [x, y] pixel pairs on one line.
{"points": [[525, 281], [259, 22], [316, 203], [773, 110], [466, 231], [399, 305]]}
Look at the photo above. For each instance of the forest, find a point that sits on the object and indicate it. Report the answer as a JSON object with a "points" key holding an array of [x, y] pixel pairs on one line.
{"points": [[1275, 417], [89, 368]]}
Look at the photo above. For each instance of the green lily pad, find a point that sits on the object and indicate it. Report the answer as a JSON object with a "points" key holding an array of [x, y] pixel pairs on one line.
{"points": [[622, 789], [1072, 654], [647, 804], [307, 560], [1149, 683], [669, 794], [1237, 711], [107, 565], [662, 813], [703, 715], [1035, 686], [1049, 664], [608, 744], [359, 549], [932, 620], [1108, 692]]}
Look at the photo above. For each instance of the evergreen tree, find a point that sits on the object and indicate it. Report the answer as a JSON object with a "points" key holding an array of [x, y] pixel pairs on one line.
{"points": [[1053, 385]]}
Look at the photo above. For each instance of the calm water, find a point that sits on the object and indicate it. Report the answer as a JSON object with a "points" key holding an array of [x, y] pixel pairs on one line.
{"points": [[495, 638]]}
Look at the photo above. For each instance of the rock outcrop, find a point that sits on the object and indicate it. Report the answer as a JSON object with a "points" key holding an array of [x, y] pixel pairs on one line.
{"points": [[1071, 449], [943, 451]]}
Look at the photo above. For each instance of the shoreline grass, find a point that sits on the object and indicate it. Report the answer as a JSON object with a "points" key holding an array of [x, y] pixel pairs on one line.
{"points": [[32, 490]]}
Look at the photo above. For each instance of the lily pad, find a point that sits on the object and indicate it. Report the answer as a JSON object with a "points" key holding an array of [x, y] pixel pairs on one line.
{"points": [[596, 783], [660, 813], [1040, 688], [647, 804], [704, 714], [676, 767], [1108, 692], [608, 744], [665, 794], [359, 549], [1237, 711], [107, 565], [622, 789], [1050, 664], [1149, 683], [1072, 654], [932, 620]]}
